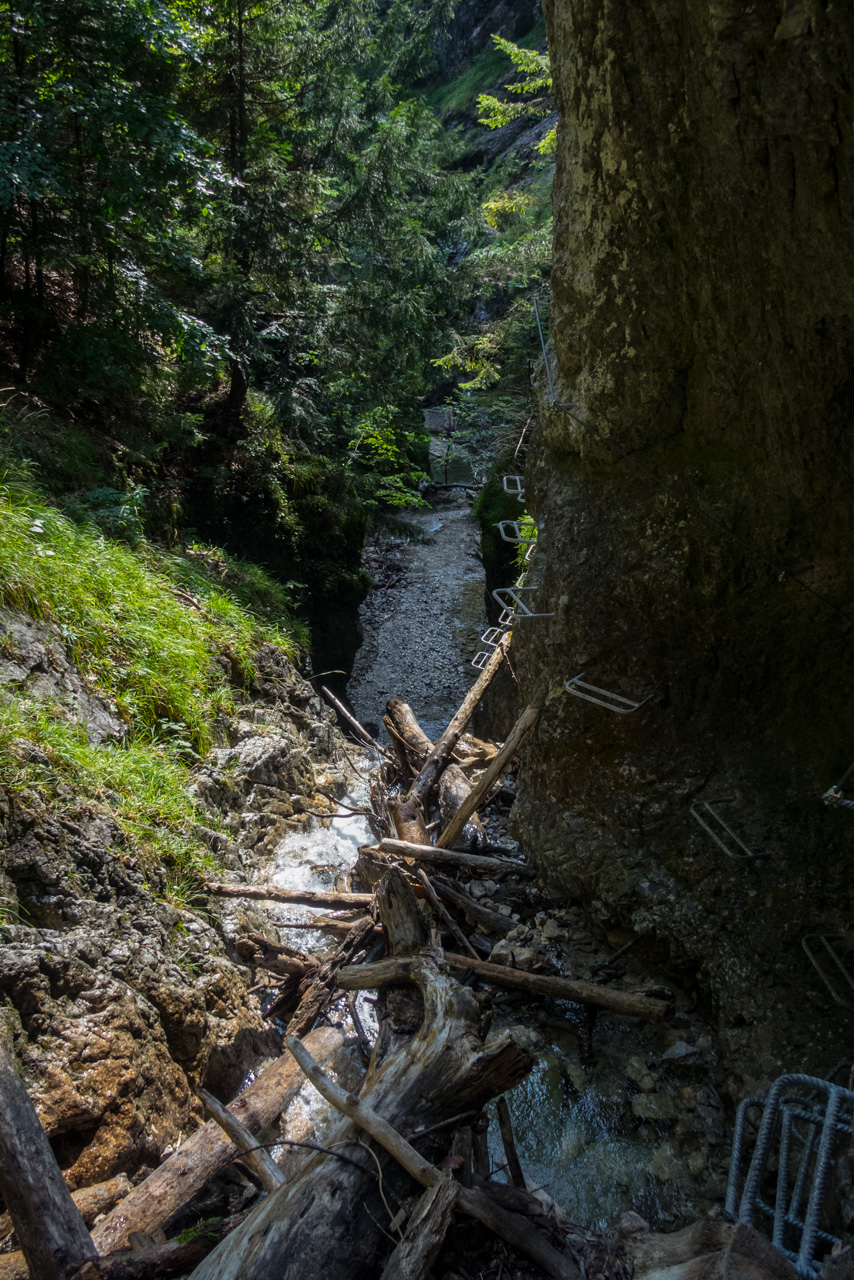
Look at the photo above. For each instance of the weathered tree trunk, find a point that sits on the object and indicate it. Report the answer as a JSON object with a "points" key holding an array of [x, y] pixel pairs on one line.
{"points": [[173, 1258], [50, 1230], [479, 863], [408, 818], [322, 989], [255, 1157], [90, 1201], [397, 969], [425, 1233], [475, 1202], [490, 775], [408, 729], [441, 753], [307, 897], [208, 1150], [316, 1227], [454, 791]]}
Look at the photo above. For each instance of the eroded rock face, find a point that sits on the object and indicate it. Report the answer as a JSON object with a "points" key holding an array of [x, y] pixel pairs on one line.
{"points": [[117, 1003], [474, 22], [703, 290]]}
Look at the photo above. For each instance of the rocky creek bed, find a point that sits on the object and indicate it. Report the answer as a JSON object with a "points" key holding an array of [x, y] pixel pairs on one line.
{"points": [[119, 1004]]}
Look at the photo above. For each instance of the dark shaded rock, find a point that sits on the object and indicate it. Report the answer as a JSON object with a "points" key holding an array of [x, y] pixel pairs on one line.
{"points": [[703, 288]]}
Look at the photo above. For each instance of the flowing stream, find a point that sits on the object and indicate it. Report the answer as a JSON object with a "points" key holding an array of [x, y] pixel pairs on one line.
{"points": [[637, 1124]]}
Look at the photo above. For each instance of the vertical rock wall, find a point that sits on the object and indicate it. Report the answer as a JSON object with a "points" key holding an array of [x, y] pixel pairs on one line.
{"points": [[703, 324]]}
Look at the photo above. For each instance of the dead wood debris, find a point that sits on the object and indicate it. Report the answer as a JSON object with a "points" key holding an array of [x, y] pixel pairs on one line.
{"points": [[429, 1072]]}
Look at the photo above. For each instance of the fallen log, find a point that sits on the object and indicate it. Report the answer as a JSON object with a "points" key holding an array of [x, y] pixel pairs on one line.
{"points": [[254, 1157], [322, 987], [444, 914], [453, 858], [490, 775], [359, 729], [425, 1232], [327, 924], [441, 753], [208, 1150], [508, 1225], [428, 1063], [493, 921], [397, 969], [407, 814], [306, 897], [52, 1235], [543, 984], [505, 1124], [173, 1258], [454, 791], [261, 953], [90, 1201], [408, 729]]}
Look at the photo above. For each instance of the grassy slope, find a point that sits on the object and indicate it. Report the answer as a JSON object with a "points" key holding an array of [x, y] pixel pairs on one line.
{"points": [[144, 626], [488, 69]]}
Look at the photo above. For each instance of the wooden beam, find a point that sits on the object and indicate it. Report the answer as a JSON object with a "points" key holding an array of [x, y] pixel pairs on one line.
{"points": [[400, 969], [490, 775], [441, 753], [480, 863], [254, 1157], [307, 897]]}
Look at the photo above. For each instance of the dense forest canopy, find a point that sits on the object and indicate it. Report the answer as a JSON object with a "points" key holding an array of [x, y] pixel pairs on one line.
{"points": [[237, 239]]}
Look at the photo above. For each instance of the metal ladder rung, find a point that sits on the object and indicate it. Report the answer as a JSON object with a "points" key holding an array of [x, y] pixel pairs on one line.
{"points": [[824, 939], [518, 608], [515, 485], [505, 618], [716, 817], [835, 797], [617, 703], [493, 636], [517, 533], [480, 659]]}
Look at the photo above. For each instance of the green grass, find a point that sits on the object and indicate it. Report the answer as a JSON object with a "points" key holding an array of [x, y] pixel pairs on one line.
{"points": [[144, 626], [488, 69]]}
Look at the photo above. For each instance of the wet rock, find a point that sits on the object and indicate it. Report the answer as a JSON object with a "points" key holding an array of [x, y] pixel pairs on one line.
{"points": [[638, 1072], [681, 1051], [665, 1166], [654, 1107]]}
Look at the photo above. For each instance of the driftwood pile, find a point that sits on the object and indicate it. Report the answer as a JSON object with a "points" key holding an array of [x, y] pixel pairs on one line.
{"points": [[430, 1071]]}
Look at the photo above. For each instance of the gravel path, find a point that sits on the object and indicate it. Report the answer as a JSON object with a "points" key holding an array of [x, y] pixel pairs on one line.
{"points": [[423, 628]]}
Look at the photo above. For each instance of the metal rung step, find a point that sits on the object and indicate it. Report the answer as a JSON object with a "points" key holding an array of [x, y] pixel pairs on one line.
{"points": [[837, 799], [514, 605], [713, 824], [515, 485], [494, 636], [612, 701], [505, 618], [819, 948], [517, 532], [480, 659]]}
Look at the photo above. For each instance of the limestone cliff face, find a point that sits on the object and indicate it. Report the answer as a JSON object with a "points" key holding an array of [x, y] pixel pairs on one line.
{"points": [[703, 322]]}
